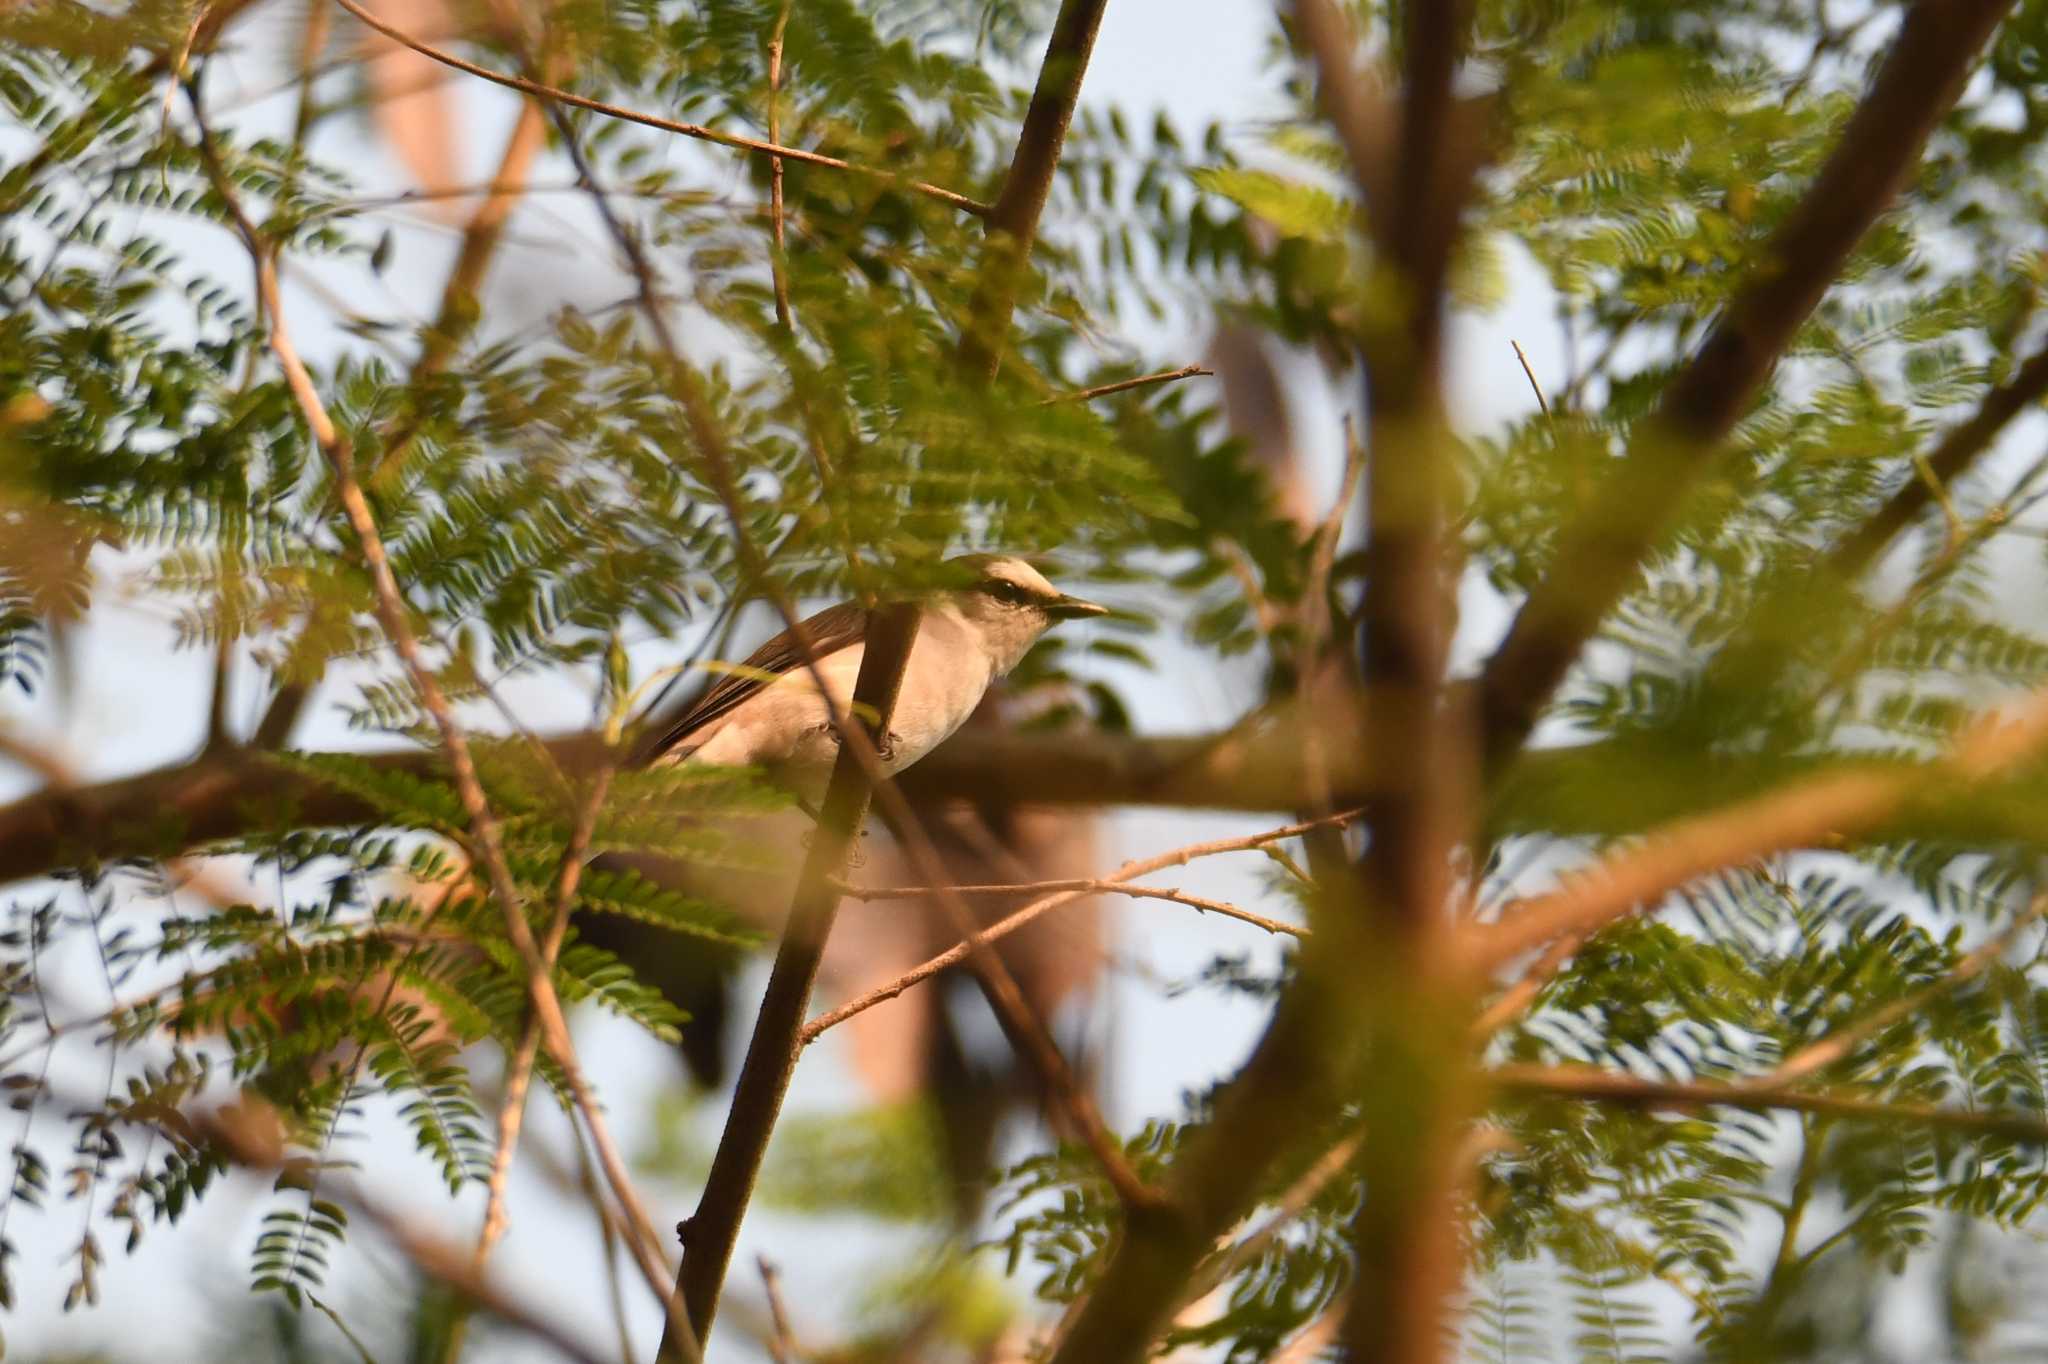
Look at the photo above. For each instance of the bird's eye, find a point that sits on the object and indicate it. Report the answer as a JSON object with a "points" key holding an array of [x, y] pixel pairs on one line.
{"points": [[1008, 592]]}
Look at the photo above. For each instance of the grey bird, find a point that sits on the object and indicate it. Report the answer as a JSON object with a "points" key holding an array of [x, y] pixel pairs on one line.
{"points": [[769, 712]]}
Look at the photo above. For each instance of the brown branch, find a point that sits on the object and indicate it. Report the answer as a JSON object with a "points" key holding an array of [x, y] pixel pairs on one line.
{"points": [[782, 1344], [173, 809], [778, 259], [1017, 919], [773, 1049], [1234, 1255], [1081, 885], [711, 1233], [1948, 460], [390, 610], [1584, 1082], [1516, 999], [519, 1075], [1405, 1235], [1598, 555], [696, 130], [1013, 218], [1542, 403], [1166, 376], [1825, 808]]}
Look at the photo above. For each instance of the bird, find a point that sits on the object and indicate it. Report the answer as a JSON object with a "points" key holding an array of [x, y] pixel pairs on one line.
{"points": [[768, 712]]}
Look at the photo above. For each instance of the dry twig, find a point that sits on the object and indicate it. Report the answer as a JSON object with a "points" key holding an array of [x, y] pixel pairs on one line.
{"points": [[696, 130], [391, 614], [1010, 923], [1165, 376]]}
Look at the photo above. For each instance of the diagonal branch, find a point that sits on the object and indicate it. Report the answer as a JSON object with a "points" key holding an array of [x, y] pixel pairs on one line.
{"points": [[1585, 1082], [1117, 880], [1825, 808], [1823, 1052], [1075, 885], [391, 614], [473, 256], [773, 1049], [1958, 450], [553, 95], [1166, 376], [1599, 554], [1013, 218]]}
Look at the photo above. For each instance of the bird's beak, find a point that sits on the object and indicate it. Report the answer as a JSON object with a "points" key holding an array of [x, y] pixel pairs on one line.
{"points": [[1071, 608]]}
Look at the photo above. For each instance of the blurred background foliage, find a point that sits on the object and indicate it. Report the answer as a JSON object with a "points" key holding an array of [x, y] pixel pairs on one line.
{"points": [[552, 514]]}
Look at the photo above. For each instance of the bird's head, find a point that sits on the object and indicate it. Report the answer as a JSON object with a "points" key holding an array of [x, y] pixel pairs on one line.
{"points": [[1012, 603]]}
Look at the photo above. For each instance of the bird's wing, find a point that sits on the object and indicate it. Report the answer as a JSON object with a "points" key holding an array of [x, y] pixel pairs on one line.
{"points": [[831, 630]]}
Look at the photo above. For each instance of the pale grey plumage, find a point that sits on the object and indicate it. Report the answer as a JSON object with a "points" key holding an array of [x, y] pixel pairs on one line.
{"points": [[769, 713]]}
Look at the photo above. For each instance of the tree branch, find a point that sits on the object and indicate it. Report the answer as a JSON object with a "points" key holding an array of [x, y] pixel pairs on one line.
{"points": [[1165, 376], [1080, 885], [1948, 461], [390, 611], [773, 1049], [171, 810], [695, 130], [711, 1233], [1010, 923], [1584, 1082], [1825, 808], [1598, 555], [1013, 218]]}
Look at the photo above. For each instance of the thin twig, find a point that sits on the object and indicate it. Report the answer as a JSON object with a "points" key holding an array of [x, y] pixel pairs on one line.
{"points": [[1235, 1255], [778, 258], [1825, 1051], [1313, 662], [1165, 376], [1585, 1082], [1542, 402], [391, 614], [1083, 885], [1516, 999], [1939, 468], [697, 130], [1010, 923], [782, 1345], [1833, 806], [519, 1077]]}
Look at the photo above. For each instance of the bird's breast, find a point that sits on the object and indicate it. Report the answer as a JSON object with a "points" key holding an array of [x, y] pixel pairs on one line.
{"points": [[787, 723]]}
